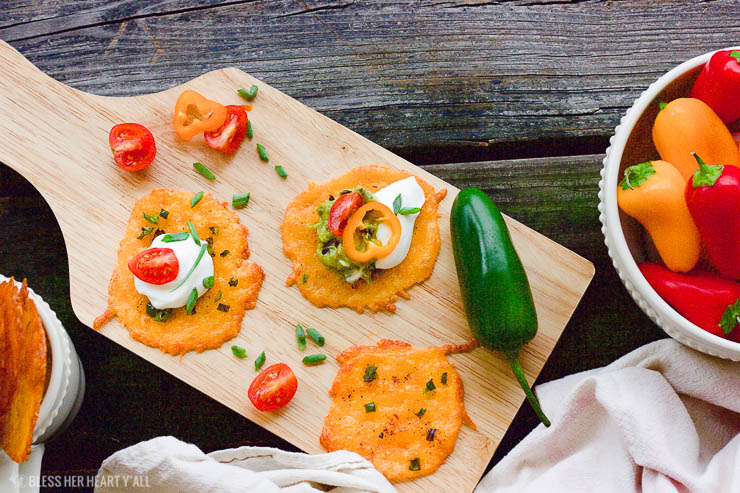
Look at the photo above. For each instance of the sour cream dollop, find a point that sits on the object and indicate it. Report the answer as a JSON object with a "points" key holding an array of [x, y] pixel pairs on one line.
{"points": [[186, 252], [412, 196]]}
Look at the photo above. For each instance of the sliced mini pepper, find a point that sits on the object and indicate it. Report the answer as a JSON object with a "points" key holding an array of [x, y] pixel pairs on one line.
{"points": [[653, 193], [718, 84], [365, 251], [194, 114]]}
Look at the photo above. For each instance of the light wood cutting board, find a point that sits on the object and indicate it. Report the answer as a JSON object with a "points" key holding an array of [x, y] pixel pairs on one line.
{"points": [[57, 138]]}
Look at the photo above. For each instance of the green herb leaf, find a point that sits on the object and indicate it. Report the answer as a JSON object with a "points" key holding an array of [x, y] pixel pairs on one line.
{"points": [[208, 282], [218, 296], [145, 232], [407, 211], [250, 133], [193, 233], [300, 334], [164, 214], [239, 352], [636, 175], [313, 359], [414, 464], [281, 172], [240, 200], [444, 378], [191, 301], [316, 336], [204, 171], [730, 318], [192, 269], [736, 55], [371, 373], [370, 407], [707, 175], [152, 218], [223, 308], [169, 238], [429, 386], [224, 253], [262, 153], [421, 412], [397, 204], [196, 198], [248, 95], [259, 361]]}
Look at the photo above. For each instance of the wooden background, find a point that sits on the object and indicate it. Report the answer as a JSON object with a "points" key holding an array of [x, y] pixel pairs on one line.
{"points": [[516, 97]]}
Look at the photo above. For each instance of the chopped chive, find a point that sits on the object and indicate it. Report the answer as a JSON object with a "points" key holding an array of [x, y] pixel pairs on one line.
{"points": [[224, 253], [313, 359], [316, 336], [218, 296], [407, 211], [430, 434], [214, 230], [239, 200], [223, 308], [169, 238], [414, 464], [152, 218], [444, 378], [145, 232], [248, 95], [250, 133], [381, 435], [193, 233], [209, 247], [196, 198], [233, 282], [301, 336], [429, 386], [281, 172], [158, 232], [304, 280], [204, 171], [397, 204], [164, 214], [191, 301], [157, 314], [259, 361], [262, 153], [421, 412], [208, 282], [370, 407], [192, 269], [239, 352], [371, 373]]}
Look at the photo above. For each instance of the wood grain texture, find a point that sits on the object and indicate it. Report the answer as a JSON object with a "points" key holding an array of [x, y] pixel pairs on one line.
{"points": [[72, 136], [468, 73]]}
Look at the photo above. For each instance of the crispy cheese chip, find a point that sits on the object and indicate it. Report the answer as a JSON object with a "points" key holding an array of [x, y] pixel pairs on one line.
{"points": [[323, 287], [19, 419], [237, 280], [385, 408]]}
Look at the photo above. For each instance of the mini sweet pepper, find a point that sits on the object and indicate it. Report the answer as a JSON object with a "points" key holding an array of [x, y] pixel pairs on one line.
{"points": [[718, 84], [195, 114]]}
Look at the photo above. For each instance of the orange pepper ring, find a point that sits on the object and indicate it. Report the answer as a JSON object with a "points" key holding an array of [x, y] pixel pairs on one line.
{"points": [[194, 114], [374, 251]]}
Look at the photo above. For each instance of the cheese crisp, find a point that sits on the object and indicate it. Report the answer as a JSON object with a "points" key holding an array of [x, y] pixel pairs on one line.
{"points": [[218, 313], [399, 407], [323, 287]]}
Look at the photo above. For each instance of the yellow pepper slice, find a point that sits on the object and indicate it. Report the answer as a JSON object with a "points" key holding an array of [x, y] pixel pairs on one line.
{"points": [[374, 250], [194, 114]]}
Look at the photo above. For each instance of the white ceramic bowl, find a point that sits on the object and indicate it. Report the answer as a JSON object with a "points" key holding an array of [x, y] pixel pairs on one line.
{"points": [[626, 240]]}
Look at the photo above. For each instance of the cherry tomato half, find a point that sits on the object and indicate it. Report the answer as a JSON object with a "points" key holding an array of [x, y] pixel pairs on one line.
{"points": [[132, 145], [229, 136], [155, 265], [341, 210], [273, 388]]}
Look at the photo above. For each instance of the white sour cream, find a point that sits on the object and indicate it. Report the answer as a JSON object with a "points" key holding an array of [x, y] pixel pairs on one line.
{"points": [[186, 252], [412, 196]]}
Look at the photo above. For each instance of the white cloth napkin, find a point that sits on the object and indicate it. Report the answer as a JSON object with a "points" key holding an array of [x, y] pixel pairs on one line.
{"points": [[663, 418], [165, 465]]}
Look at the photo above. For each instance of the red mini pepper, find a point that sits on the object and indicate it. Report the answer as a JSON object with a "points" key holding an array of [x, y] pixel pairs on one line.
{"points": [[706, 300], [718, 84], [713, 198]]}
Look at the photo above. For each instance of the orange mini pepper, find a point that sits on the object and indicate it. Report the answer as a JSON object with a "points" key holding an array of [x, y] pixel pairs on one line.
{"points": [[194, 114], [373, 250], [687, 125], [653, 193]]}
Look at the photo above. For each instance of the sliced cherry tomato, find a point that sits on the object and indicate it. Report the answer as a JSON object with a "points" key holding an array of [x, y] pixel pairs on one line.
{"points": [[229, 136], [368, 251], [155, 265], [273, 388], [132, 145], [341, 210]]}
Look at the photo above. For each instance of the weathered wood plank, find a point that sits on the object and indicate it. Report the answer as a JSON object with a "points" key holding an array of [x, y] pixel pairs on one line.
{"points": [[423, 74]]}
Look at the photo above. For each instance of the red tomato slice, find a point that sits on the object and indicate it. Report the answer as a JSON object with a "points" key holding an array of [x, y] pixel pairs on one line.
{"points": [[229, 136], [342, 209], [273, 388], [132, 145], [155, 265]]}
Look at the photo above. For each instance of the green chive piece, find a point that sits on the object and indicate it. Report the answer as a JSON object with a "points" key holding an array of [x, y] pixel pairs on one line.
{"points": [[214, 230], [444, 378], [233, 282], [371, 373], [157, 314], [414, 464], [152, 218], [208, 282], [430, 434], [191, 301], [301, 336], [429, 386], [223, 308], [169, 238], [248, 95], [408, 211], [281, 172], [218, 296], [397, 204], [239, 200], [313, 359], [239, 352], [262, 153], [224, 253], [145, 232], [304, 280], [204, 171], [209, 242], [259, 361], [421, 412], [192, 269], [193, 233], [250, 133], [370, 407], [164, 214], [316, 336], [196, 198]]}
